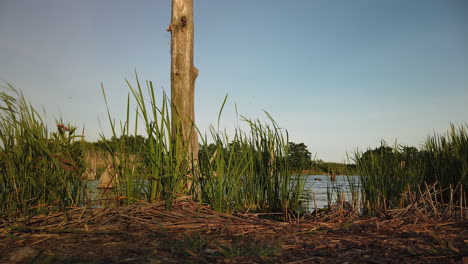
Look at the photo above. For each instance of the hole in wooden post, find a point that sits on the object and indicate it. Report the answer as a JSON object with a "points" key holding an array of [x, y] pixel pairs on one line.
{"points": [[183, 21]]}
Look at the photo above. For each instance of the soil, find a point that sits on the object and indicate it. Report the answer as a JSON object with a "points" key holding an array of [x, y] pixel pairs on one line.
{"points": [[191, 233]]}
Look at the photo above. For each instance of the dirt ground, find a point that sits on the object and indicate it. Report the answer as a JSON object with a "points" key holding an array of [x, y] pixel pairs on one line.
{"points": [[191, 233]]}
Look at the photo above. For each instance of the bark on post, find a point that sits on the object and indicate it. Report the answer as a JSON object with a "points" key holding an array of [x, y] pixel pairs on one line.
{"points": [[183, 75]]}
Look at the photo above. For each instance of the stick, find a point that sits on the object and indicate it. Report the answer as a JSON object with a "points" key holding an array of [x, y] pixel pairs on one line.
{"points": [[461, 202], [315, 204], [430, 198], [451, 199]]}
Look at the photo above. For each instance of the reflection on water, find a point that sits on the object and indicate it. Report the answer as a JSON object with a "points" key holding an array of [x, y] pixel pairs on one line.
{"points": [[319, 185], [93, 192], [97, 198], [323, 187]]}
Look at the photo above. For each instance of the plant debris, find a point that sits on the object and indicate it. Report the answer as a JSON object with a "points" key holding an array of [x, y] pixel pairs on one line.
{"points": [[194, 233]]}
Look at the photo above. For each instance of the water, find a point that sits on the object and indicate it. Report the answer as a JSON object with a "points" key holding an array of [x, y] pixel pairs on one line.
{"points": [[321, 184], [315, 184], [98, 197], [93, 191]]}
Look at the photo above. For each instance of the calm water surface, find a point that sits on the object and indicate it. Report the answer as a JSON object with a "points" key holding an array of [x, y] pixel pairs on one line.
{"points": [[315, 184], [321, 184]]}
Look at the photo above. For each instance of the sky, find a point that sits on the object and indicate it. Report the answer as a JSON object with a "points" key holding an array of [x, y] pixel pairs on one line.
{"points": [[339, 75]]}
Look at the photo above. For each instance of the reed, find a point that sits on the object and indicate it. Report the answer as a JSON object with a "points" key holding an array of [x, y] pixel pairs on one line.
{"points": [[39, 169], [249, 171], [159, 175], [387, 174], [446, 161], [354, 187]]}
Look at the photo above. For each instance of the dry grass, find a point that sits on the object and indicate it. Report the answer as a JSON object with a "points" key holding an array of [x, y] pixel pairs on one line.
{"points": [[97, 159], [194, 233]]}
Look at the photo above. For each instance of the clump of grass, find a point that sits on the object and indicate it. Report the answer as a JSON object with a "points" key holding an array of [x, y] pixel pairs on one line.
{"points": [[38, 168], [354, 189], [385, 175], [446, 161], [334, 194], [159, 173], [249, 171], [388, 175]]}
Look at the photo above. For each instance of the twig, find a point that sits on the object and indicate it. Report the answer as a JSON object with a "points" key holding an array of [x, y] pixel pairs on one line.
{"points": [[315, 204]]}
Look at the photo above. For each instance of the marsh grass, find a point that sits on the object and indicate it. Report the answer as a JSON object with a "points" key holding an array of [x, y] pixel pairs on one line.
{"points": [[390, 176], [355, 190], [39, 169], [384, 176], [446, 161], [249, 171]]}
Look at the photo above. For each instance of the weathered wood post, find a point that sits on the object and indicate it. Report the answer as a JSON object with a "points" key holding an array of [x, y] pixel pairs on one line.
{"points": [[183, 75]]}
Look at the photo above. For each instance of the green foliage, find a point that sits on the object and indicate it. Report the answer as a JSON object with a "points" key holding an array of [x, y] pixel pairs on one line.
{"points": [[446, 160], [300, 157], [161, 175], [300, 160], [130, 143], [250, 171], [321, 167], [38, 169], [387, 174]]}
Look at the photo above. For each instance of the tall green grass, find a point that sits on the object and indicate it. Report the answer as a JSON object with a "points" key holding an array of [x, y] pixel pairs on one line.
{"points": [[249, 171], [160, 174], [388, 175], [39, 169], [446, 161], [385, 175]]}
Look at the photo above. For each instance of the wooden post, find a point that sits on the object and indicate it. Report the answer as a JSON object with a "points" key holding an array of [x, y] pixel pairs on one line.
{"points": [[183, 75]]}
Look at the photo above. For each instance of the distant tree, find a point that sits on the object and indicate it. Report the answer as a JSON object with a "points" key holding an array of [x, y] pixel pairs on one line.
{"points": [[334, 167], [299, 156], [381, 151], [410, 153], [407, 157], [129, 144], [406, 153]]}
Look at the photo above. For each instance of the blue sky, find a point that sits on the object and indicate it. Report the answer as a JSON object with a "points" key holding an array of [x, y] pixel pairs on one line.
{"points": [[339, 75]]}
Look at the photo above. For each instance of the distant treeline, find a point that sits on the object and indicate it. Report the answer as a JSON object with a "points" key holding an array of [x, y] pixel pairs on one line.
{"points": [[326, 168], [301, 161], [130, 144], [300, 158]]}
